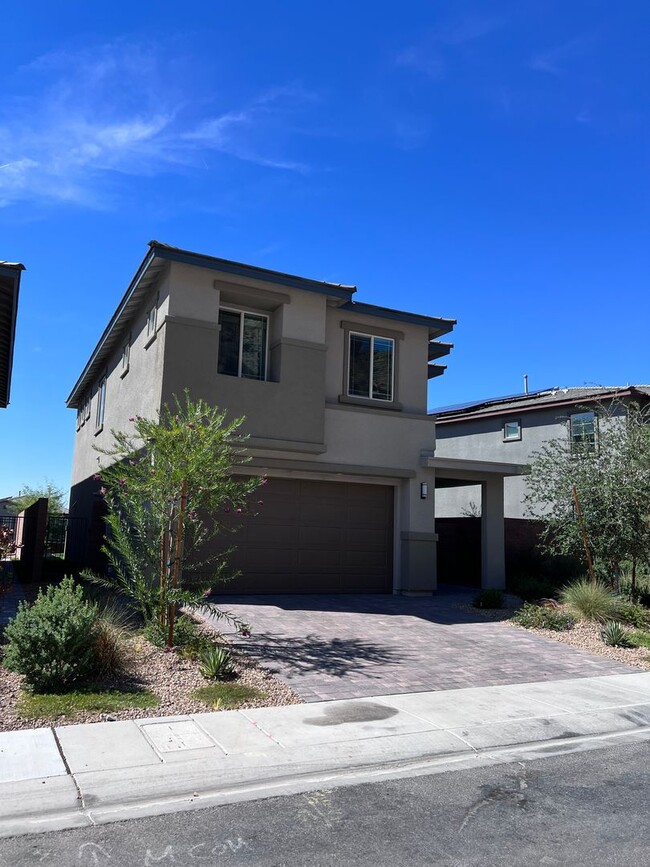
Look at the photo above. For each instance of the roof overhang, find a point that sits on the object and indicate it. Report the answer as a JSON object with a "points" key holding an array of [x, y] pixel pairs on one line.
{"points": [[470, 471], [9, 288]]}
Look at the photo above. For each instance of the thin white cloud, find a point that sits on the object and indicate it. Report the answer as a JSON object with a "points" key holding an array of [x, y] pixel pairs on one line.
{"points": [[558, 59], [117, 110]]}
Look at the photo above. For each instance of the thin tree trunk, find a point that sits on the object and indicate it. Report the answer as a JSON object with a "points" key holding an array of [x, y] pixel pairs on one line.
{"points": [[176, 567], [583, 531], [633, 587]]}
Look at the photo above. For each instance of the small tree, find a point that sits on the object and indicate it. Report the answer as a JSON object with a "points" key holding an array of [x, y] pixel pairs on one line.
{"points": [[169, 488], [611, 478], [55, 496]]}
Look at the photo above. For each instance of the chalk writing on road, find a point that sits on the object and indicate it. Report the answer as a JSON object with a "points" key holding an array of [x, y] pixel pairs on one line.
{"points": [[93, 855]]}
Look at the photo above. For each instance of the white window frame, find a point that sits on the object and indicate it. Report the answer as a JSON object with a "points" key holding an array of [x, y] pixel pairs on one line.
{"points": [[512, 439], [101, 405], [240, 359], [87, 403], [372, 337], [152, 323], [126, 355], [577, 445]]}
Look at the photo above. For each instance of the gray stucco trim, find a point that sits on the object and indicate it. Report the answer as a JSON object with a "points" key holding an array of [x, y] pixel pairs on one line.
{"points": [[300, 344], [285, 445], [370, 407], [358, 328], [361, 328], [186, 320], [412, 536], [479, 469], [335, 469]]}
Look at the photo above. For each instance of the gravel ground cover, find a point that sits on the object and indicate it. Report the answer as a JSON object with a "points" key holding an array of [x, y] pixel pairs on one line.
{"points": [[171, 676], [586, 636]]}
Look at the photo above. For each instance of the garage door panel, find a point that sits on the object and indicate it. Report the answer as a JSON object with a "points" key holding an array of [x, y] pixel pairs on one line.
{"points": [[315, 537]]}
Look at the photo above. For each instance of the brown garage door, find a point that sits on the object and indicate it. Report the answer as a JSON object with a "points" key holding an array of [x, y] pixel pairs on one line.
{"points": [[316, 537]]}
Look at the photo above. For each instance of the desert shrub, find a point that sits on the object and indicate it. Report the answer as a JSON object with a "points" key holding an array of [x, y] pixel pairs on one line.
{"points": [[591, 601], [639, 638], [634, 614], [216, 663], [531, 589], [186, 634], [488, 599], [53, 641], [641, 591], [542, 617], [615, 634], [113, 629]]}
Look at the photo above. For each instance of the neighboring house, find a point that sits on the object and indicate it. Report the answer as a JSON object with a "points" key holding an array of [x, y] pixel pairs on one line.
{"points": [[9, 286], [512, 428], [334, 392], [9, 506]]}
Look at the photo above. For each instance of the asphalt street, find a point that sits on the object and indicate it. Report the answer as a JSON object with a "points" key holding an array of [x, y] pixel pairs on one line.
{"points": [[590, 808]]}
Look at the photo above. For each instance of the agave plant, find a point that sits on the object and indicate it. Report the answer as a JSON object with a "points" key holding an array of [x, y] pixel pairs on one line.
{"points": [[615, 635], [216, 663]]}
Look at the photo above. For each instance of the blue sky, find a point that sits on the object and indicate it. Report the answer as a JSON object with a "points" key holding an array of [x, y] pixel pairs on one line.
{"points": [[487, 162]]}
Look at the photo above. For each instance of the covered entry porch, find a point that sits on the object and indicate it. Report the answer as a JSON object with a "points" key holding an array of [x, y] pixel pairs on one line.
{"points": [[489, 475]]}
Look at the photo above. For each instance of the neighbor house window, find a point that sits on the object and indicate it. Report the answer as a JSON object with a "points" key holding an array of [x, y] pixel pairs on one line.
{"points": [[101, 404], [582, 431], [370, 366], [242, 344], [126, 355], [511, 431], [87, 408], [151, 321]]}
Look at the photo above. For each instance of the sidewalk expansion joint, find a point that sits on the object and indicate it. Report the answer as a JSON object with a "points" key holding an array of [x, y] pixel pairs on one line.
{"points": [[80, 797]]}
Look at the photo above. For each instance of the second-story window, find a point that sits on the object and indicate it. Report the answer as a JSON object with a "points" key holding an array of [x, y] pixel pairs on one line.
{"points": [[582, 431], [242, 344], [126, 355], [151, 321], [101, 404], [371, 364]]}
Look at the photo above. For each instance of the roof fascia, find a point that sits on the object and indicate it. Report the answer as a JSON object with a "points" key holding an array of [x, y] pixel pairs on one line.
{"points": [[15, 272], [241, 270], [436, 326], [139, 274], [514, 410]]}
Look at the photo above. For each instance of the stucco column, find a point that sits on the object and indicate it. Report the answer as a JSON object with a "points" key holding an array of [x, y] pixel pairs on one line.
{"points": [[417, 538], [493, 563]]}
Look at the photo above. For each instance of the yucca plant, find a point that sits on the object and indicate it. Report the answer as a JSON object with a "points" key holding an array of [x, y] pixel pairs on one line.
{"points": [[591, 601], [615, 635], [216, 663]]}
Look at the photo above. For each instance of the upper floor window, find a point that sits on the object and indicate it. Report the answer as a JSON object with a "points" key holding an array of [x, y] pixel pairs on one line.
{"points": [[582, 431], [151, 320], [371, 366], [511, 431], [126, 355], [242, 344], [101, 404]]}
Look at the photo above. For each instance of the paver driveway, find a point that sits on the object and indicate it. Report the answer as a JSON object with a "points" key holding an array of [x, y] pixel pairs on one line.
{"points": [[333, 647]]}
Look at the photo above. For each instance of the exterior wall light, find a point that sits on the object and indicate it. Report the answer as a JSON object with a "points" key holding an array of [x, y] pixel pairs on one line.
{"points": [[424, 490]]}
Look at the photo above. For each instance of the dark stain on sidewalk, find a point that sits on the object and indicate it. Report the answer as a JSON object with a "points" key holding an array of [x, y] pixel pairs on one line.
{"points": [[352, 712]]}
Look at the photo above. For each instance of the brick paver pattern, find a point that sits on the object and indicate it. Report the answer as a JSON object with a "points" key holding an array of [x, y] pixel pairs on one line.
{"points": [[337, 647]]}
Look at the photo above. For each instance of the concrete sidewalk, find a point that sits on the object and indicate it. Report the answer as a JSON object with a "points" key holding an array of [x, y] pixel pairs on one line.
{"points": [[80, 775]]}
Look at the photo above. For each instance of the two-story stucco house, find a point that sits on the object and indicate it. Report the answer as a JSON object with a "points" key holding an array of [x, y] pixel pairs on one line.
{"points": [[511, 429], [334, 393]]}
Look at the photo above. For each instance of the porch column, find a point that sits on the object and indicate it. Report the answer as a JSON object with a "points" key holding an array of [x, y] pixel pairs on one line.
{"points": [[493, 562]]}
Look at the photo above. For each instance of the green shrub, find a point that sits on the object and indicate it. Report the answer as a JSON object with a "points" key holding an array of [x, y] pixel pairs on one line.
{"points": [[639, 638], [186, 635], [216, 663], [634, 614], [591, 601], [488, 599], [53, 640], [531, 589], [615, 634], [541, 617]]}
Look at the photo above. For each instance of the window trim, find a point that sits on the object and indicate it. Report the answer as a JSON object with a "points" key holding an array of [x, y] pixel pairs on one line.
{"points": [[100, 412], [514, 439], [240, 358], [373, 337], [362, 328]]}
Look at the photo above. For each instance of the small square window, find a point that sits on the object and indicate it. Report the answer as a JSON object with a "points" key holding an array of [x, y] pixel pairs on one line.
{"points": [[511, 431]]}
